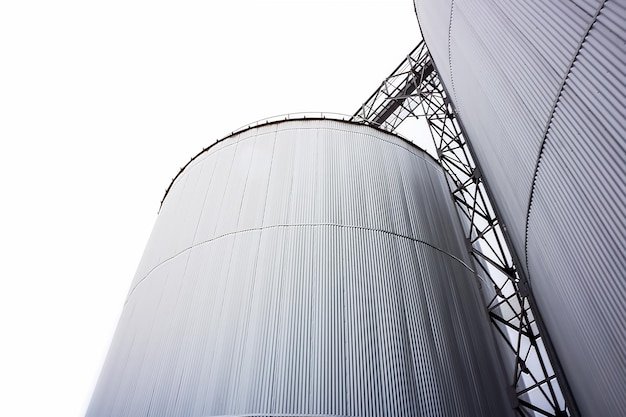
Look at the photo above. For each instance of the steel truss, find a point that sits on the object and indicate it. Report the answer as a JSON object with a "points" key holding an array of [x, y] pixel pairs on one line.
{"points": [[414, 90]]}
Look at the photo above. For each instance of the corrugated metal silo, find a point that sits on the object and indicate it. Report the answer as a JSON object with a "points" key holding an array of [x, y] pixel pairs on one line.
{"points": [[539, 87], [305, 267]]}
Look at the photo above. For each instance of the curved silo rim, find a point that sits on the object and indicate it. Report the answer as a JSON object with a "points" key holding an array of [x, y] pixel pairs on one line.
{"points": [[293, 117]]}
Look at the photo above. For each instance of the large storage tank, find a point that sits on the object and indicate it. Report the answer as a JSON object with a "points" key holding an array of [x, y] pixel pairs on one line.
{"points": [[305, 267], [539, 87]]}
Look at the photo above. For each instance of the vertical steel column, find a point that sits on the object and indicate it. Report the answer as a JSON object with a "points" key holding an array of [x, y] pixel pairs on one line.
{"points": [[414, 90]]}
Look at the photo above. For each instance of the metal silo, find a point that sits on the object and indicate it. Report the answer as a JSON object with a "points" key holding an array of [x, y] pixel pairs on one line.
{"points": [[304, 267], [539, 87]]}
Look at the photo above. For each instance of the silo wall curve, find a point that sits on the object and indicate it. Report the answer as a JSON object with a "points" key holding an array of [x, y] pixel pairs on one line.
{"points": [[308, 267], [539, 87]]}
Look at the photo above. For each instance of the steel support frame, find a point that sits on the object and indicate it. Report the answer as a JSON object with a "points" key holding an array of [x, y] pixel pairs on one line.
{"points": [[414, 90]]}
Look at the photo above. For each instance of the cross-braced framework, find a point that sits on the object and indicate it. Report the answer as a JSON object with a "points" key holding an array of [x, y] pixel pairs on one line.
{"points": [[414, 90]]}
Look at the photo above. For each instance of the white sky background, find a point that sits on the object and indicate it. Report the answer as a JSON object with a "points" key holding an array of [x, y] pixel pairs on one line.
{"points": [[101, 103]]}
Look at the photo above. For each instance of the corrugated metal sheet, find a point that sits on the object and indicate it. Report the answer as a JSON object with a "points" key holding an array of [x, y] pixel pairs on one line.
{"points": [[507, 62], [438, 14], [577, 223], [305, 267], [521, 69]]}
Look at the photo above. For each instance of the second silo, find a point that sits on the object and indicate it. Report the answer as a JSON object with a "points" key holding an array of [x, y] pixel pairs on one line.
{"points": [[305, 267], [540, 88]]}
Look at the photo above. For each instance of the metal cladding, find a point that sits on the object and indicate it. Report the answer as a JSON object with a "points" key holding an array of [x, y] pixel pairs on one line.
{"points": [[539, 87], [307, 267]]}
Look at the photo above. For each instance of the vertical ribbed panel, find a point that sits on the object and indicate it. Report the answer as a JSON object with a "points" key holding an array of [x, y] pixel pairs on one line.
{"points": [[436, 33], [519, 70], [305, 267], [495, 49], [577, 225]]}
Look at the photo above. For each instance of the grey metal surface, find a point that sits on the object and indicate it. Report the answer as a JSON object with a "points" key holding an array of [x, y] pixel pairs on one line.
{"points": [[305, 267], [540, 89], [413, 91]]}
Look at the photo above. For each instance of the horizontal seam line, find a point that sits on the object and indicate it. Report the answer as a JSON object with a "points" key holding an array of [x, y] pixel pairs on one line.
{"points": [[289, 226]]}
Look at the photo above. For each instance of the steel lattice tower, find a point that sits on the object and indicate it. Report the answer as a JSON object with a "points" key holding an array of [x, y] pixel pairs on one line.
{"points": [[414, 90]]}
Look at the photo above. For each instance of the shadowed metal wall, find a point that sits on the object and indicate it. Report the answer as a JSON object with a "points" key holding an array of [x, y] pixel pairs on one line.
{"points": [[539, 87], [304, 267]]}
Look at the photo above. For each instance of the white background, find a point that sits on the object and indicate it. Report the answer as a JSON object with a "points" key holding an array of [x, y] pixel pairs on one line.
{"points": [[101, 103]]}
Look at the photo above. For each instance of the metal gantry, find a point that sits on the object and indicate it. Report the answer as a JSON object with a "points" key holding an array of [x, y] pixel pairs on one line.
{"points": [[414, 90]]}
